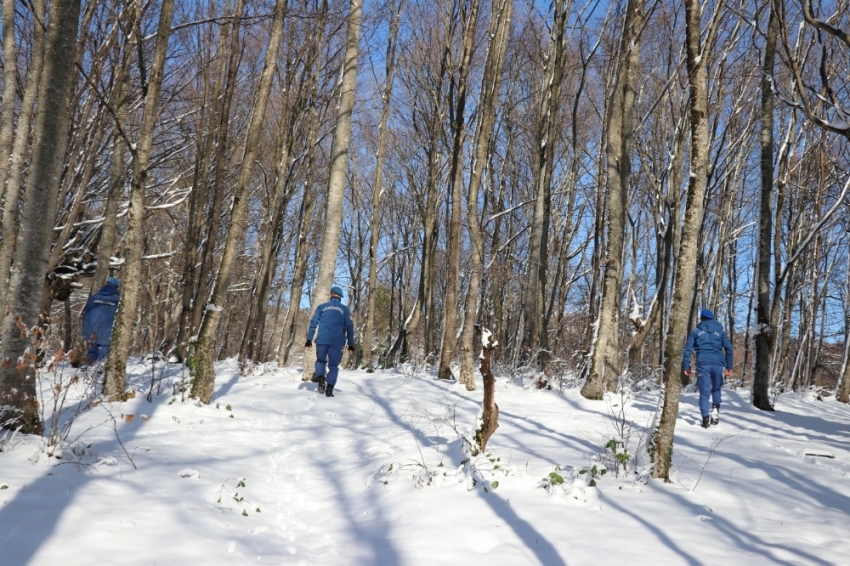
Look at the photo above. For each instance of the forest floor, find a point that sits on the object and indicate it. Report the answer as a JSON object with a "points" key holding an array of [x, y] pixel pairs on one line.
{"points": [[273, 473]]}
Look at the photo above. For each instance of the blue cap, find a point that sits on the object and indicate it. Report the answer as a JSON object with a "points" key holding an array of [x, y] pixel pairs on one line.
{"points": [[113, 281], [706, 314], [337, 290]]}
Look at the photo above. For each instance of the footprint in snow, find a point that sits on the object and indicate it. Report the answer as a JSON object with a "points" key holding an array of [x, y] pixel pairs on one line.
{"points": [[704, 518]]}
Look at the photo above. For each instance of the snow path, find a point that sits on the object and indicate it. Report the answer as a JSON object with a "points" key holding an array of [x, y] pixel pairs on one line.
{"points": [[285, 476]]}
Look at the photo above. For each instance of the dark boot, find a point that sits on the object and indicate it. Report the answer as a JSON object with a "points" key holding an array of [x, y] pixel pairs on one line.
{"points": [[715, 414], [705, 422], [321, 388], [315, 378], [329, 392]]}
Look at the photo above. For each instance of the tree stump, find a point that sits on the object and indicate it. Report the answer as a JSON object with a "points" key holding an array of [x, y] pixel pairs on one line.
{"points": [[489, 408]]}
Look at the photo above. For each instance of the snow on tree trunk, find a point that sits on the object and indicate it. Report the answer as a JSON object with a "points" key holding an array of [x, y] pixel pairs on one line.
{"points": [[661, 442], [50, 138], [605, 351], [122, 330], [204, 383], [500, 23], [489, 409], [19, 156]]}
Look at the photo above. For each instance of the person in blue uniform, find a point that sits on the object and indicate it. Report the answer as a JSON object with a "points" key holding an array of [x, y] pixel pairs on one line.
{"points": [[335, 328], [714, 362], [98, 318]]}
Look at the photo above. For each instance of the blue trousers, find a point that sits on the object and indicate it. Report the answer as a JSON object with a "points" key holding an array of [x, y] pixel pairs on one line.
{"points": [[709, 382], [330, 356], [97, 352]]}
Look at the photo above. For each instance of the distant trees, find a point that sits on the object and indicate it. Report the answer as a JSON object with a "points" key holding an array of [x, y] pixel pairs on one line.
{"points": [[580, 178]]}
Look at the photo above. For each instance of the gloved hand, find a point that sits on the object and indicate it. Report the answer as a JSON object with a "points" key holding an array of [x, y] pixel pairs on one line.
{"points": [[309, 344], [351, 349]]}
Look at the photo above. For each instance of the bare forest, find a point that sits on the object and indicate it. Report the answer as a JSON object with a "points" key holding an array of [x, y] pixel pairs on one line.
{"points": [[579, 177]]}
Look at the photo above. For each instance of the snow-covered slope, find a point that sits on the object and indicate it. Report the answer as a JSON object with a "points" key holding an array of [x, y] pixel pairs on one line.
{"points": [[272, 473]]}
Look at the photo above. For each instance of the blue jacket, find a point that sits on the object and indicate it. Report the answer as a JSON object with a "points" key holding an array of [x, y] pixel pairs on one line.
{"points": [[334, 321], [711, 344], [99, 315]]}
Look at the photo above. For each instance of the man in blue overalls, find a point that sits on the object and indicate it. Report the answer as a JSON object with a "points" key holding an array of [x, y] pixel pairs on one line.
{"points": [[714, 361], [98, 318], [334, 321]]}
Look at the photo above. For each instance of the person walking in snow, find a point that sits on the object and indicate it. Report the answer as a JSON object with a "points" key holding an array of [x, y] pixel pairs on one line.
{"points": [[98, 318], [714, 361], [335, 328]]}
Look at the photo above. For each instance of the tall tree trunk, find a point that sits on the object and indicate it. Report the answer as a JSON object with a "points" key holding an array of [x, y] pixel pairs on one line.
{"points": [[204, 383], [469, 19], [220, 163], [117, 174], [377, 188], [18, 158], [604, 360], [17, 372], [336, 173], [765, 338], [661, 445], [535, 341], [122, 330], [194, 281], [500, 24], [10, 81]]}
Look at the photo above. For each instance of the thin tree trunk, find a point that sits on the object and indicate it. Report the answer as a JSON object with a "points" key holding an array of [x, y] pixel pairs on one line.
{"points": [[10, 81], [765, 338], [19, 156], [117, 172], [605, 352], [17, 373], [377, 188], [661, 445], [195, 281], [122, 330], [222, 133], [336, 173], [500, 24], [450, 299], [535, 342], [204, 383]]}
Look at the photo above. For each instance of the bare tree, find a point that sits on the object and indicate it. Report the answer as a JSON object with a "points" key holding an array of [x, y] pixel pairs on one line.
{"points": [[698, 50], [604, 359], [499, 30], [119, 345], [21, 324], [336, 172], [377, 187], [204, 383]]}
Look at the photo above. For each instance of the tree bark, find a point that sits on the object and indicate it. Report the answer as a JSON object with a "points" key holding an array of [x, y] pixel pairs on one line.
{"points": [[489, 408], [18, 158], [122, 330], [336, 173], [10, 80], [535, 342], [204, 383], [469, 19], [377, 188], [194, 280], [604, 360], [661, 443], [500, 24], [765, 339], [21, 324]]}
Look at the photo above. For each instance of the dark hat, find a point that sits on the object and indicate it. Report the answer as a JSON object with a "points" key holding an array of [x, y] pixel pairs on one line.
{"points": [[706, 314], [113, 281], [337, 290]]}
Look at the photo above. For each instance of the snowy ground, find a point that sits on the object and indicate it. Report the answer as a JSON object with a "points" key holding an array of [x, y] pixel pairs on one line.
{"points": [[272, 473]]}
